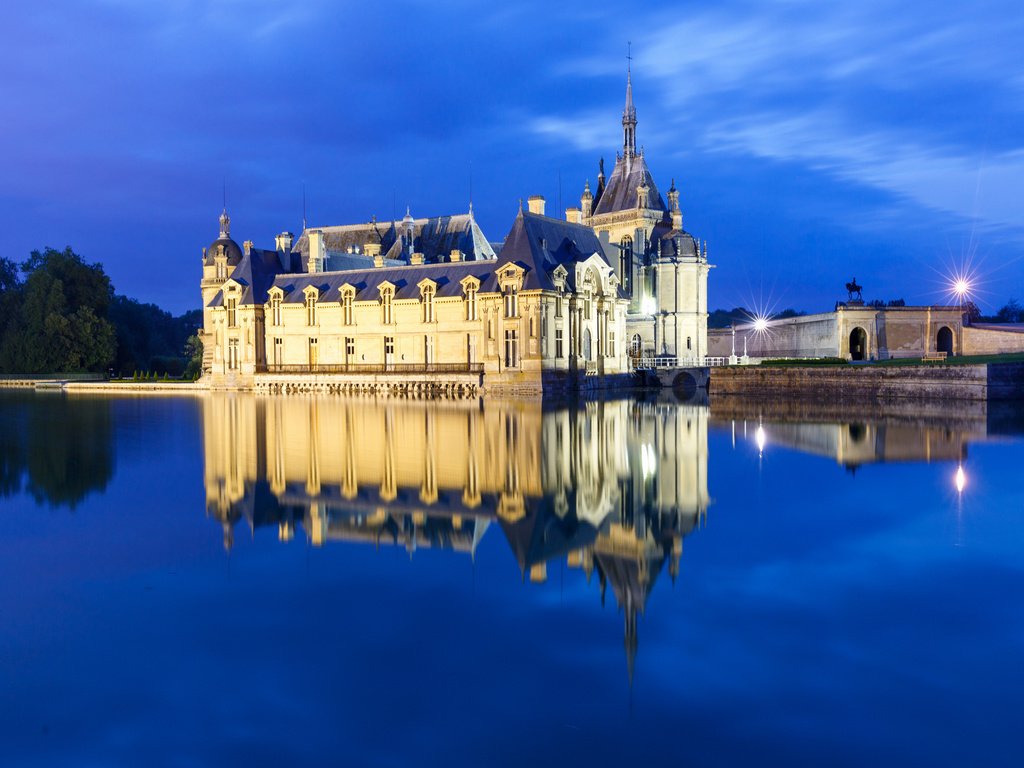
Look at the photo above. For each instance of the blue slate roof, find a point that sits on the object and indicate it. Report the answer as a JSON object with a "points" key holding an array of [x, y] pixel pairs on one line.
{"points": [[535, 243]]}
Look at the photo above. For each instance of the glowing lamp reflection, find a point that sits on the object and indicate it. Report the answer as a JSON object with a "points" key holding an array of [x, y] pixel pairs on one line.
{"points": [[961, 479], [761, 439]]}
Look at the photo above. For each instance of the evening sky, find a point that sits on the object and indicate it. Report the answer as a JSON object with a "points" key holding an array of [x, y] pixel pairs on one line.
{"points": [[811, 142]]}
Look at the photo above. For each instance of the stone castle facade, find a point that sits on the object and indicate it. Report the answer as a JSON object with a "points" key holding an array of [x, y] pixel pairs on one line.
{"points": [[561, 304]]}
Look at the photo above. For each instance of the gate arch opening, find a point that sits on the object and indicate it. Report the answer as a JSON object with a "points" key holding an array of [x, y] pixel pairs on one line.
{"points": [[944, 340], [858, 344]]}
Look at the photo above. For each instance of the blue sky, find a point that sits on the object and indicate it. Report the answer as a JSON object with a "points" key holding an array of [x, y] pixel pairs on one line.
{"points": [[811, 142]]}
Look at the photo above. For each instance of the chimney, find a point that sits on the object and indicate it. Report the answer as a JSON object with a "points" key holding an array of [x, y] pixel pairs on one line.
{"points": [[536, 203], [247, 245], [315, 260], [456, 255], [372, 249], [416, 259], [283, 242], [378, 260], [574, 215]]}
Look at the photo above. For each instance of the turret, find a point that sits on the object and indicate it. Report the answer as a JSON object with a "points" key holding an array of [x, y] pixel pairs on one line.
{"points": [[587, 201], [673, 206]]}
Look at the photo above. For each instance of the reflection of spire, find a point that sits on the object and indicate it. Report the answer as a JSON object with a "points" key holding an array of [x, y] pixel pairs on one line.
{"points": [[631, 642]]}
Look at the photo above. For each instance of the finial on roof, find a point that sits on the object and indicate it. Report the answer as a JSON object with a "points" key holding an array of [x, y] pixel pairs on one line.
{"points": [[225, 224], [520, 206]]}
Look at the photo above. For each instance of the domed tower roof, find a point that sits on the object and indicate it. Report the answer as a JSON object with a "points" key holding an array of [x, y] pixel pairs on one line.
{"points": [[224, 241]]}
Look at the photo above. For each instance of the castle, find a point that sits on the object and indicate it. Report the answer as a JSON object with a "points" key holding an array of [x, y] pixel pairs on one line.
{"points": [[429, 306]]}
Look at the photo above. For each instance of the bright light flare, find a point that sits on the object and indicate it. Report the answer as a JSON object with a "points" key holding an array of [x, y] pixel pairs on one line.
{"points": [[961, 287], [761, 439], [648, 306], [960, 479], [760, 324]]}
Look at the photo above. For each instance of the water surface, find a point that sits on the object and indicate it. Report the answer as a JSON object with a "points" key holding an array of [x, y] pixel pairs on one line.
{"points": [[260, 581]]}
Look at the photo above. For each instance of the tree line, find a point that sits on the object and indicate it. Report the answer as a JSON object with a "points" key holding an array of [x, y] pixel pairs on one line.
{"points": [[59, 314]]}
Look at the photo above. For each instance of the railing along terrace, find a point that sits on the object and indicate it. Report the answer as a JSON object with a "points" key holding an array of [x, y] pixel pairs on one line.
{"points": [[655, 363], [374, 368]]}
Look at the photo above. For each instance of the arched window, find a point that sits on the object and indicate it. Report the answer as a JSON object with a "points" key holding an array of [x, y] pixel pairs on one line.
{"points": [[347, 300], [387, 295], [626, 264], [310, 309], [471, 308], [636, 345], [275, 310], [427, 295]]}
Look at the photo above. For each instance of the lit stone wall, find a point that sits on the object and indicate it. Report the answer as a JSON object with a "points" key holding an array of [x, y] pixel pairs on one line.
{"points": [[993, 341]]}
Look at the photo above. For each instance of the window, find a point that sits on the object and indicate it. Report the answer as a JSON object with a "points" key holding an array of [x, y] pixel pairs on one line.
{"points": [[278, 350], [511, 301], [428, 303], [389, 349], [232, 310], [314, 352], [511, 348], [558, 342], [689, 343], [346, 307], [350, 349], [635, 345], [233, 354], [310, 309], [471, 302], [611, 344], [428, 349], [558, 305], [275, 310], [490, 328], [626, 264], [533, 326], [386, 297]]}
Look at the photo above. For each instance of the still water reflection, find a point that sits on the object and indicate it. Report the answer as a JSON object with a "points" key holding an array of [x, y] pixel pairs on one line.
{"points": [[381, 576]]}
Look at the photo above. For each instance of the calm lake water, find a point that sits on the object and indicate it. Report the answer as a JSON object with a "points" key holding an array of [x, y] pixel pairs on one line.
{"points": [[235, 580]]}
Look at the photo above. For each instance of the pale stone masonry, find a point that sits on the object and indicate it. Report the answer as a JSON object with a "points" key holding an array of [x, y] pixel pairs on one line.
{"points": [[560, 304]]}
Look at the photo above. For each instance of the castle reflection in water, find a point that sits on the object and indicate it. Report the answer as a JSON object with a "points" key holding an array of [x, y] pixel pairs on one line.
{"points": [[611, 487]]}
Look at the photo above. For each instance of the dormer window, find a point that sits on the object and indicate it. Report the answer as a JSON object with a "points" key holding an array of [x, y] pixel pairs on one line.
{"points": [[311, 308], [387, 296], [427, 291], [347, 302], [470, 287], [275, 309], [231, 305]]}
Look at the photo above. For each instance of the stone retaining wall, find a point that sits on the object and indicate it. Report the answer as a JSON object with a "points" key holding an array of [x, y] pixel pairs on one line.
{"points": [[859, 384]]}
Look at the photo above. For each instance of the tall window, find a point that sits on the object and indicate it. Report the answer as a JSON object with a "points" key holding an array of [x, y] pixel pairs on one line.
{"points": [[626, 264], [386, 297], [471, 302], [278, 350], [558, 305], [350, 349], [611, 344], [346, 308], [310, 309], [389, 349], [314, 352], [233, 354], [428, 304], [558, 343], [275, 310], [511, 348], [232, 309], [511, 301]]}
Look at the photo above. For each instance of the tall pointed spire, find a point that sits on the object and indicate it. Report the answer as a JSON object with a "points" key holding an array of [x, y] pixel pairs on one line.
{"points": [[629, 113]]}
